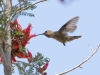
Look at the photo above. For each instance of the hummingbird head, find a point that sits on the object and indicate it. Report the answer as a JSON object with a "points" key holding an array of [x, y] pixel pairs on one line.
{"points": [[48, 33]]}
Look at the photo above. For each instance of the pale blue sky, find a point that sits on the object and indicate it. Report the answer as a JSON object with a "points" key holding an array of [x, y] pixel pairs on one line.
{"points": [[52, 15]]}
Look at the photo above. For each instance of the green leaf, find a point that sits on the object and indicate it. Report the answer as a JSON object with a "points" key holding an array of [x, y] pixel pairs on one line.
{"points": [[27, 14], [18, 32], [31, 68]]}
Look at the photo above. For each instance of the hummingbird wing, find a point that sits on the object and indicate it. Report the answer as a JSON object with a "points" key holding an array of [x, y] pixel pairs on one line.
{"points": [[70, 26]]}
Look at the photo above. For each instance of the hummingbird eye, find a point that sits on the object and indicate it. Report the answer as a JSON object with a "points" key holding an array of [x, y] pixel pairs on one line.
{"points": [[45, 31]]}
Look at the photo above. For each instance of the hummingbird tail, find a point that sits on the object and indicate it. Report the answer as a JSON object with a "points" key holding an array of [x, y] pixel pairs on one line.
{"points": [[74, 37]]}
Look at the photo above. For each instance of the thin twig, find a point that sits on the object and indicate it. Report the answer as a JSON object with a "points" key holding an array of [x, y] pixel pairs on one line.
{"points": [[26, 8], [81, 62], [91, 48], [21, 62], [2, 7], [3, 3]]}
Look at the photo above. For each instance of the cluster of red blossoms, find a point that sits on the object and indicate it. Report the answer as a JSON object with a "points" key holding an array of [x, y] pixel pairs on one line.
{"points": [[23, 35], [20, 38], [42, 69]]}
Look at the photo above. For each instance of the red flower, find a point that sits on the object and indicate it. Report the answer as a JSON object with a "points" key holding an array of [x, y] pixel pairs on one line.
{"points": [[29, 53], [13, 59], [15, 45], [12, 24], [45, 73], [45, 66], [24, 43], [27, 30], [21, 55], [24, 38], [15, 21], [18, 27], [30, 36], [40, 70], [29, 58]]}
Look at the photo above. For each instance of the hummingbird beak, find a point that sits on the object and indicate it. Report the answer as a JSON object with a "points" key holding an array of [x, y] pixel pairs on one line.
{"points": [[40, 34]]}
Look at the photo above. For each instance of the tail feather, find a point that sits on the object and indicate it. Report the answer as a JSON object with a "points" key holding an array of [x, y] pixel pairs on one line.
{"points": [[73, 37]]}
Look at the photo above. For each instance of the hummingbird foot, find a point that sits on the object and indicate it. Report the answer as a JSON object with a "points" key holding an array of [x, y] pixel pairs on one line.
{"points": [[64, 44]]}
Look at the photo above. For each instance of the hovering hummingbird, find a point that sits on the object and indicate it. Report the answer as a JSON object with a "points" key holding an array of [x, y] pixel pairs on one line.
{"points": [[61, 35]]}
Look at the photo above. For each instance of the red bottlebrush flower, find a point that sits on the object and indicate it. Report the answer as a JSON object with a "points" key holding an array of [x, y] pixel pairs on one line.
{"points": [[18, 27], [15, 45], [11, 24], [27, 30], [15, 26], [30, 36], [13, 59], [29, 54], [21, 55], [24, 38], [24, 43], [15, 21], [45, 73], [40, 70], [29, 58], [45, 66]]}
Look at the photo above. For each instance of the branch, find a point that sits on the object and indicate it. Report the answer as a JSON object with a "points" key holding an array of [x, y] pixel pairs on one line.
{"points": [[2, 6], [26, 8], [3, 55], [79, 65], [7, 38]]}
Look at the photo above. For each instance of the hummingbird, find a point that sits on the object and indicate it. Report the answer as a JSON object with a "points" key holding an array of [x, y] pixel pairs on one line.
{"points": [[62, 34]]}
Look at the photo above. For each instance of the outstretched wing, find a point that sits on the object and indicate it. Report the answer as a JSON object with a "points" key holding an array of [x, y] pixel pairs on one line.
{"points": [[70, 26]]}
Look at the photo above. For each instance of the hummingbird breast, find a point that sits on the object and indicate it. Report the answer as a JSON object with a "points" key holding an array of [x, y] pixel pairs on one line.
{"points": [[60, 37]]}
